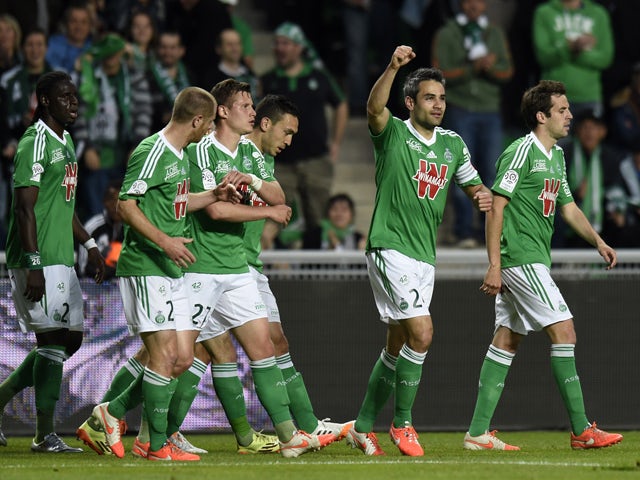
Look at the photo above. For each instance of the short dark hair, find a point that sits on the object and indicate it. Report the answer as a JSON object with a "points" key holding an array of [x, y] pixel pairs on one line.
{"points": [[412, 82], [538, 99], [275, 107], [223, 91], [341, 197]]}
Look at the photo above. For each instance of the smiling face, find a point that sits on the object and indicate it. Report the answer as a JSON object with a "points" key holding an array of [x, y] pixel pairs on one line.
{"points": [[427, 110], [35, 49]]}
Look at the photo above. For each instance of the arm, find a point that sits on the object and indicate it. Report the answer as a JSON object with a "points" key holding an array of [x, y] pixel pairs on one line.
{"points": [[24, 208], [377, 111], [227, 212], [340, 117], [224, 192], [492, 284], [173, 247], [579, 223], [94, 257]]}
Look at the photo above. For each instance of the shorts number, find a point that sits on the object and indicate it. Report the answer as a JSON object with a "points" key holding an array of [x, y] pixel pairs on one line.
{"points": [[65, 316], [170, 319], [201, 309], [415, 300]]}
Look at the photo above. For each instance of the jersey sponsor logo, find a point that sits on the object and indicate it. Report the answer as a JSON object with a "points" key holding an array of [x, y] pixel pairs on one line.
{"points": [[57, 156], [208, 179], [36, 170], [539, 166], [509, 180], [413, 144], [172, 171], [70, 180], [139, 187], [430, 179], [548, 196], [180, 202]]}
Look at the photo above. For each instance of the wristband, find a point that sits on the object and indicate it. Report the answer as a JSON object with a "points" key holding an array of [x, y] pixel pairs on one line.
{"points": [[89, 244], [34, 262], [256, 183]]}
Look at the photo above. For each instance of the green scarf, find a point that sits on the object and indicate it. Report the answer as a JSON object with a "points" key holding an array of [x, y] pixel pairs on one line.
{"points": [[590, 169], [168, 86], [340, 233]]}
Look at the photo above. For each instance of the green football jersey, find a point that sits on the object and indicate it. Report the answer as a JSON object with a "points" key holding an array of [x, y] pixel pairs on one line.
{"points": [[217, 245], [48, 162], [413, 176], [262, 166], [535, 182], [158, 178]]}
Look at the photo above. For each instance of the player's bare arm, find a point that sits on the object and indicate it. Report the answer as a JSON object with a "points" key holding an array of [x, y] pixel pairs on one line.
{"points": [[25, 201], [492, 284], [174, 247], [245, 213], [94, 257], [577, 220], [377, 111]]}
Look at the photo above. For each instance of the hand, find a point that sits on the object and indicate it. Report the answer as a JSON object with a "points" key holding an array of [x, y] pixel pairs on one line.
{"points": [[609, 254], [401, 56], [226, 192], [492, 284], [280, 214], [236, 178], [483, 201], [35, 286], [94, 258], [485, 63], [175, 249], [92, 159]]}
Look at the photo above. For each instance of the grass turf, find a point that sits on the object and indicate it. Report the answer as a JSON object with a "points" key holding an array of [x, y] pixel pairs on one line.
{"points": [[544, 455]]}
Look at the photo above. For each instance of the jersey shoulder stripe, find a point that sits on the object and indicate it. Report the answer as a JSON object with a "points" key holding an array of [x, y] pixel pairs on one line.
{"points": [[39, 142], [202, 155], [151, 161], [522, 151]]}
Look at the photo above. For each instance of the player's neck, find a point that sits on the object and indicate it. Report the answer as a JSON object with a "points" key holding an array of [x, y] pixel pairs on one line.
{"points": [[256, 139], [227, 137], [545, 139]]}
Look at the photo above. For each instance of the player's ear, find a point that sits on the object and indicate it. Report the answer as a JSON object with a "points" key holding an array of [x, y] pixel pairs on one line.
{"points": [[265, 123]]}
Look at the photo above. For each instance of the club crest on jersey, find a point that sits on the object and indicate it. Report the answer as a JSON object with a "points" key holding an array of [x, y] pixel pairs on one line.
{"points": [[180, 202], [70, 180], [246, 163], [448, 156], [430, 179], [548, 196]]}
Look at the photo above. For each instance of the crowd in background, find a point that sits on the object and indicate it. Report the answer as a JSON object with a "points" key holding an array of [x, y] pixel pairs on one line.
{"points": [[130, 58]]}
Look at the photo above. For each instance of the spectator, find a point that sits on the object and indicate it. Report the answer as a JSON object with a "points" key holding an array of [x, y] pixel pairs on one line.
{"points": [[625, 112], [243, 28], [142, 32], [355, 16], [305, 170], [475, 60], [168, 75], [118, 14], [593, 171], [573, 43], [10, 39], [108, 231], [32, 14], [623, 204], [66, 47], [337, 230], [199, 23], [229, 49], [115, 113]]}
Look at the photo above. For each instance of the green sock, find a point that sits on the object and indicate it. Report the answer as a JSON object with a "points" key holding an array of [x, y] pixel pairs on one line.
{"points": [[382, 382], [123, 378], [47, 378], [300, 405], [128, 399], [408, 374], [272, 393], [186, 391], [157, 391], [229, 391], [492, 377], [20, 378], [563, 365]]}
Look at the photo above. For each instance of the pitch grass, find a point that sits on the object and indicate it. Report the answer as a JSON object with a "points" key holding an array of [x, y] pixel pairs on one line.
{"points": [[544, 455]]}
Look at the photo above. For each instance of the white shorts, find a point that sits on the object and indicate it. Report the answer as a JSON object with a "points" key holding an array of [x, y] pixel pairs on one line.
{"points": [[402, 286], [60, 307], [530, 301], [220, 302], [154, 303], [269, 299]]}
